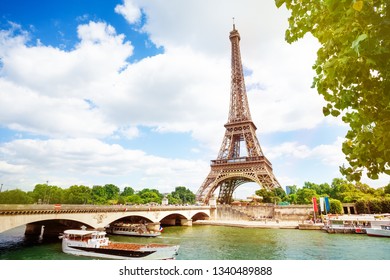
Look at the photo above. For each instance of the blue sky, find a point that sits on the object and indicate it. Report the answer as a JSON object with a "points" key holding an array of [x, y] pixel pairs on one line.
{"points": [[136, 93]]}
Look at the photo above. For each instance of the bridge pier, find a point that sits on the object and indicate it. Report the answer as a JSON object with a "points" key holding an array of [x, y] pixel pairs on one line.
{"points": [[169, 222], [185, 222], [175, 222], [153, 226], [33, 229]]}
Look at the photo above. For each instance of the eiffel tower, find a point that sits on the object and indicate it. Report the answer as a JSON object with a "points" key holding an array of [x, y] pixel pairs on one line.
{"points": [[236, 165]]}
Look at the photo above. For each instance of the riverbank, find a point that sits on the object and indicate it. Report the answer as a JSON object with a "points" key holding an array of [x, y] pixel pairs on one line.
{"points": [[251, 224]]}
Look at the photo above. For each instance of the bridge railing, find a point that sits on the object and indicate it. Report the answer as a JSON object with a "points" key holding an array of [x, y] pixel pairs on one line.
{"points": [[14, 208]]}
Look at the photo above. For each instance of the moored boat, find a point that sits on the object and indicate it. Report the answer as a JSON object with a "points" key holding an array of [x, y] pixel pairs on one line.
{"points": [[93, 243], [132, 230], [383, 231], [354, 223]]}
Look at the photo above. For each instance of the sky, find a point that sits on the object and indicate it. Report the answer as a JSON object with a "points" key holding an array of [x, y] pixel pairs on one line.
{"points": [[136, 93]]}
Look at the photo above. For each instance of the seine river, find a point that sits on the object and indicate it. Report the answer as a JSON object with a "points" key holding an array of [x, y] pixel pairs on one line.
{"points": [[204, 242]]}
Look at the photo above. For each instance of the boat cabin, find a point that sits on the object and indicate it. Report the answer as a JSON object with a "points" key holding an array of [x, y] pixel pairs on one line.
{"points": [[86, 236]]}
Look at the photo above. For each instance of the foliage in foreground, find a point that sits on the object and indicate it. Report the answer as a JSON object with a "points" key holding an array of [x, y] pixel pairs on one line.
{"points": [[352, 73]]}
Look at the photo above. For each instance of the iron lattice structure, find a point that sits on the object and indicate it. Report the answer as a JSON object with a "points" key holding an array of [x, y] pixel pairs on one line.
{"points": [[235, 164]]}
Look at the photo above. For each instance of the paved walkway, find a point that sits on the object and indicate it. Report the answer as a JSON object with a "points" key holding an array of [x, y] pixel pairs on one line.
{"points": [[252, 224]]}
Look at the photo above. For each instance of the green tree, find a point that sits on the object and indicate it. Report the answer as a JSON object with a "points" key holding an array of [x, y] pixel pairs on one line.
{"points": [[387, 189], [364, 188], [77, 194], [173, 199], [380, 192], [280, 193], [375, 206], [386, 205], [352, 73], [305, 195], [350, 197], [336, 207], [41, 193], [293, 189], [340, 187], [292, 198], [15, 197], [362, 206], [111, 191], [319, 189], [55, 195], [272, 196], [150, 195], [266, 195], [122, 200], [99, 195], [127, 191], [134, 199], [183, 195]]}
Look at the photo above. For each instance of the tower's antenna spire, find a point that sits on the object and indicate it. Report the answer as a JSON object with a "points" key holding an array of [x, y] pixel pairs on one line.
{"points": [[234, 25]]}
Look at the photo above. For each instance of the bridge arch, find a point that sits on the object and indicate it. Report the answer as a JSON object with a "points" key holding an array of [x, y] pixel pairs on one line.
{"points": [[12, 216], [52, 227], [132, 218], [200, 216]]}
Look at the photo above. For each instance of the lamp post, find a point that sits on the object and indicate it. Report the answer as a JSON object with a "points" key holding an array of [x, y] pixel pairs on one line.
{"points": [[44, 195]]}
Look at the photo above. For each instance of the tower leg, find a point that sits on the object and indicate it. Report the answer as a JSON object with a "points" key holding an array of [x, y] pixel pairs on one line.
{"points": [[226, 192]]}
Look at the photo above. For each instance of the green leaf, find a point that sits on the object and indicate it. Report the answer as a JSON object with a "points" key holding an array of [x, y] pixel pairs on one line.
{"points": [[279, 3], [373, 176], [335, 113], [325, 111], [358, 5], [355, 44]]}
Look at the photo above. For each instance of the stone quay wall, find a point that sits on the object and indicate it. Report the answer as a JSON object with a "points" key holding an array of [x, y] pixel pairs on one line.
{"points": [[264, 212]]}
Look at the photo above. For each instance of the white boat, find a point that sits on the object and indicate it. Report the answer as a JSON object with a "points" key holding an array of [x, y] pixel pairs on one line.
{"points": [[383, 231], [93, 243], [354, 223], [132, 230]]}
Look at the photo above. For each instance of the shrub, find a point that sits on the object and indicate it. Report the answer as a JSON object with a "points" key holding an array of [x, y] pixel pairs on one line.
{"points": [[362, 206], [375, 206], [336, 207]]}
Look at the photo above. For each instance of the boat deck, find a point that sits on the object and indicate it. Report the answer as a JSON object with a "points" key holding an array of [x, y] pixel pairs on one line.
{"points": [[133, 246]]}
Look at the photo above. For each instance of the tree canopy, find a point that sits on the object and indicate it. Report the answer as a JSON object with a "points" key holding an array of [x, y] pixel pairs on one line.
{"points": [[366, 198], [352, 73], [181, 195]]}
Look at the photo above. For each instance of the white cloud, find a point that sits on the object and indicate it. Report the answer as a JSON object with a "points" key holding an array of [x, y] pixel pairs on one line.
{"points": [[25, 110], [6, 168], [100, 54], [129, 11], [186, 89], [94, 162], [128, 132], [328, 154], [48, 91]]}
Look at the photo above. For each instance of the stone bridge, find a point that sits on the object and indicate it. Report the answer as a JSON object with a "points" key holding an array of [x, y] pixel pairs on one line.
{"points": [[56, 218]]}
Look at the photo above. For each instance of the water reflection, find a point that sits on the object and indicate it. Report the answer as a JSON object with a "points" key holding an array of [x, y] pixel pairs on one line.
{"points": [[202, 242]]}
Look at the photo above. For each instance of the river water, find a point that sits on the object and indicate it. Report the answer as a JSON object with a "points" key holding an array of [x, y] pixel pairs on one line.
{"points": [[205, 242]]}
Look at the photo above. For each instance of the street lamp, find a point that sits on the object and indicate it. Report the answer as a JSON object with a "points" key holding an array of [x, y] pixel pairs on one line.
{"points": [[44, 195]]}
